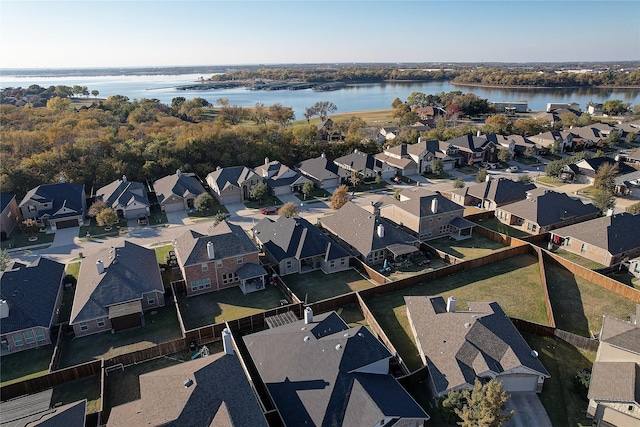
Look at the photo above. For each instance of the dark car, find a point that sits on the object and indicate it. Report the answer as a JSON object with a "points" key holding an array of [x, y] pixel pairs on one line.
{"points": [[271, 210], [143, 220]]}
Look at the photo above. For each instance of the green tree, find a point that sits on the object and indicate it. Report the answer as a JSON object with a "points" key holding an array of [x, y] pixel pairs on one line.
{"points": [[219, 217], [555, 147], [603, 199], [107, 217], [631, 137], [449, 404], [204, 203], [29, 226], [289, 210], [324, 108], [96, 207], [307, 189], [481, 176], [529, 151], [437, 167], [526, 178], [605, 176], [483, 406], [5, 259], [613, 138], [339, 197], [458, 183], [355, 178], [614, 107], [504, 155], [584, 120], [633, 209], [95, 93], [58, 104], [496, 124], [259, 191]]}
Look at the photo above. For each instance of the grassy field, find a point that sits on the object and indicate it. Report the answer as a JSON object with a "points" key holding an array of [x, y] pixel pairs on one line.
{"points": [[316, 286], [474, 247], [510, 282], [25, 364], [578, 305], [495, 225], [563, 403], [227, 304], [85, 388], [159, 327], [585, 262]]}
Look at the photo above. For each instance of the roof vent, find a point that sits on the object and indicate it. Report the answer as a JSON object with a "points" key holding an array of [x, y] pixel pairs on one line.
{"points": [[347, 334], [338, 346], [4, 309], [467, 325], [306, 338], [188, 383], [534, 353]]}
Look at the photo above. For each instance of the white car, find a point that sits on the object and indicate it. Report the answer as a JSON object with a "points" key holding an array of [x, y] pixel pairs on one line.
{"points": [[512, 169]]}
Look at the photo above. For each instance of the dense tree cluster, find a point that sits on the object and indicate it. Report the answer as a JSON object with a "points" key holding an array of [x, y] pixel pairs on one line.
{"points": [[549, 78]]}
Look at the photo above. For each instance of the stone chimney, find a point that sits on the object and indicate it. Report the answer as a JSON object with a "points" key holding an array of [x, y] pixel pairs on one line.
{"points": [[227, 342], [434, 205], [451, 304], [178, 172], [211, 253], [308, 315], [100, 266]]}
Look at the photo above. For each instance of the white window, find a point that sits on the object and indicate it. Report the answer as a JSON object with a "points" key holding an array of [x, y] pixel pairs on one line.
{"points": [[219, 263], [332, 263], [289, 265], [229, 278], [28, 337], [40, 335], [197, 285], [205, 267], [100, 323], [343, 261], [239, 259], [17, 340], [31, 208], [84, 326]]}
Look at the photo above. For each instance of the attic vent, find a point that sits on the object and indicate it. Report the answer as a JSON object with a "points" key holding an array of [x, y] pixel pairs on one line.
{"points": [[360, 334], [303, 328], [338, 346], [306, 338], [347, 334]]}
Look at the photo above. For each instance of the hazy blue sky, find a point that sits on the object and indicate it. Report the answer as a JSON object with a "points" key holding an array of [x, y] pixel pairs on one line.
{"points": [[60, 34]]}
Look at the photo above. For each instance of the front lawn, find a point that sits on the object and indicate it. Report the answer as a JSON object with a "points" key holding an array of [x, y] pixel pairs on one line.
{"points": [[316, 286], [316, 195], [159, 327], [529, 161], [578, 305], [268, 200], [495, 225], [474, 247], [550, 181], [22, 365], [227, 304], [18, 239], [510, 282], [93, 229]]}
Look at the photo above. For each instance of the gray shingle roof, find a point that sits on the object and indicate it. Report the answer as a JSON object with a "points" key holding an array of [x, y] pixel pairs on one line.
{"points": [[462, 344], [615, 234], [129, 271], [276, 175], [219, 396], [180, 184], [358, 228], [550, 208], [418, 201], [64, 194], [234, 176], [317, 374], [31, 292], [319, 168], [228, 240], [500, 191], [615, 381], [123, 192], [361, 162], [295, 238]]}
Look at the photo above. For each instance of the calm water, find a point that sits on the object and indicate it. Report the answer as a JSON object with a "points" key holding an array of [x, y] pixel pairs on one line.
{"points": [[352, 98]]}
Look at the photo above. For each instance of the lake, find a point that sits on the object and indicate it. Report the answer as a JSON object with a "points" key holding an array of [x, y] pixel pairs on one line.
{"points": [[358, 97]]}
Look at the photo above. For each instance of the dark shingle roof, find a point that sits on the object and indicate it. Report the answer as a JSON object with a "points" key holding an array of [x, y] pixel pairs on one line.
{"points": [[234, 176], [418, 201], [295, 238], [31, 292], [123, 192], [317, 374], [319, 168], [550, 207], [61, 195], [129, 271], [468, 342], [5, 199], [595, 163], [180, 184], [616, 233], [500, 191]]}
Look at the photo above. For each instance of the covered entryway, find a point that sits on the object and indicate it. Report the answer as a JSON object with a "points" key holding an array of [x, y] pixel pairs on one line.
{"points": [[126, 316]]}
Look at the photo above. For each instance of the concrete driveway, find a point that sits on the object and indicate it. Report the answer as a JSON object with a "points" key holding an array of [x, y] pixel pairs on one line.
{"points": [[529, 411]]}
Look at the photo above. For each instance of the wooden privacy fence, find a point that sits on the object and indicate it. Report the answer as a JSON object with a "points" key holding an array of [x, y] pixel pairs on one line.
{"points": [[577, 340], [543, 278], [368, 271]]}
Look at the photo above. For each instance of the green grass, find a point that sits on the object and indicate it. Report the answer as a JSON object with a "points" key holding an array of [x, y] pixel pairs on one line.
{"points": [[474, 247], [585, 262], [318, 193], [578, 305], [227, 304], [495, 225], [527, 160], [162, 252], [18, 239], [352, 315], [95, 230], [550, 181], [563, 403], [85, 388], [73, 269], [269, 200], [22, 365], [160, 327], [316, 285], [413, 270], [509, 282]]}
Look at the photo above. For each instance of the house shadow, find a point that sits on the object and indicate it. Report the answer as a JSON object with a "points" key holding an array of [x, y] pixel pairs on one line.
{"points": [[566, 300]]}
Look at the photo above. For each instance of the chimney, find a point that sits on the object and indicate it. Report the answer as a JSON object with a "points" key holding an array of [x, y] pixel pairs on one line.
{"points": [[100, 266], [178, 172], [356, 151], [478, 133], [266, 160], [227, 343], [211, 253], [380, 230], [323, 156], [124, 178], [451, 305], [487, 178], [308, 315], [434, 205], [609, 212], [4, 309]]}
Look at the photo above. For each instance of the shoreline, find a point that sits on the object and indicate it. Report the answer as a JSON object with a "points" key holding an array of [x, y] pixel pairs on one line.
{"points": [[484, 85]]}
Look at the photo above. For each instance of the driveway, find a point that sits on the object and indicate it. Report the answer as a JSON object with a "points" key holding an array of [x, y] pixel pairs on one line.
{"points": [[529, 411], [65, 237]]}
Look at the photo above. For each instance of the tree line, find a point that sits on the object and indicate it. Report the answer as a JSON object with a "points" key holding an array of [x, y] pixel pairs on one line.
{"points": [[505, 77]]}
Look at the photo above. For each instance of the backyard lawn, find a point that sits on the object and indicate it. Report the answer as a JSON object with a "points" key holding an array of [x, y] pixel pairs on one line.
{"points": [[495, 225], [159, 327], [25, 364], [560, 398], [316, 286], [514, 283], [585, 262], [474, 247], [227, 304], [578, 305], [85, 388]]}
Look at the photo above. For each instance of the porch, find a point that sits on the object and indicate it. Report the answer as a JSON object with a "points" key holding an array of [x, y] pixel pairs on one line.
{"points": [[252, 278], [462, 228], [310, 264]]}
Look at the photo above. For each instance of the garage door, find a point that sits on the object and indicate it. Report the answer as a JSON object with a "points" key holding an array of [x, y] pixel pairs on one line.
{"points": [[515, 382], [67, 223], [174, 207], [129, 321]]}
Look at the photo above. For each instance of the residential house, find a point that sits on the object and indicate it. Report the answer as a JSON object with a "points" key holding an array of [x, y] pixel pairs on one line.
{"points": [[294, 245], [516, 144], [389, 132], [30, 297], [39, 410], [475, 149], [323, 172], [633, 156], [279, 178], [426, 214], [369, 237], [326, 132], [608, 240], [115, 286], [233, 185], [614, 397], [628, 185], [223, 258], [319, 371], [178, 192], [9, 214], [625, 129], [492, 193], [128, 199], [546, 140], [410, 159], [551, 106], [211, 390], [367, 166], [594, 108], [511, 107], [448, 153], [481, 343], [545, 210], [58, 206], [588, 137], [586, 169]]}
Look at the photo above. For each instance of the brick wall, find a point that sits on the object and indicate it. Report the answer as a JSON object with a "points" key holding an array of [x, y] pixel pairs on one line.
{"points": [[215, 274]]}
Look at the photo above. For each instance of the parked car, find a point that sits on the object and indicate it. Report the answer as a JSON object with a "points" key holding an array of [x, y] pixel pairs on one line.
{"points": [[512, 169], [143, 220], [271, 210]]}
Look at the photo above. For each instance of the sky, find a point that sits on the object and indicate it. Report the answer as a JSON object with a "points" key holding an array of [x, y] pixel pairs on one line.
{"points": [[87, 34]]}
